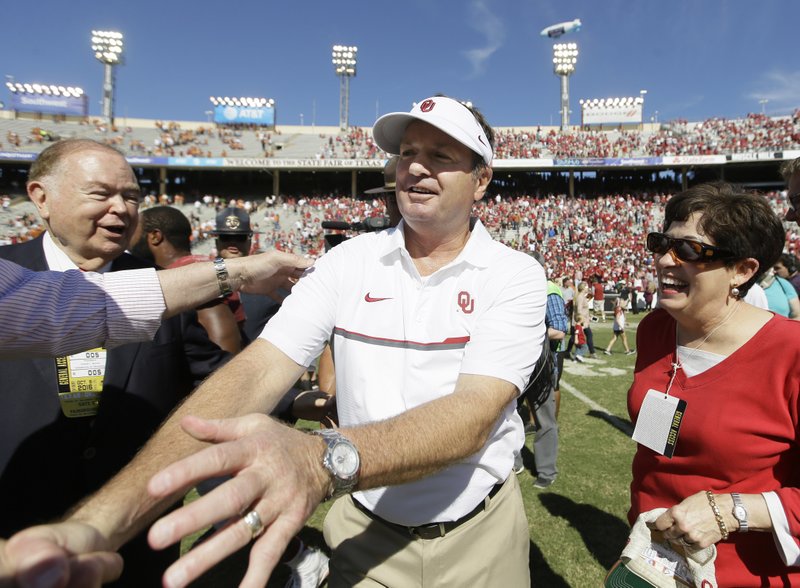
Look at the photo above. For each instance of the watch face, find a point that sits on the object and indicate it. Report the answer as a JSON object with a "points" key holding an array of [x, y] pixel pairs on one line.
{"points": [[344, 460], [740, 513]]}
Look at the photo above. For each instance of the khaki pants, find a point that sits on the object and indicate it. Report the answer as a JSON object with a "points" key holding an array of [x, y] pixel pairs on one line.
{"points": [[491, 549]]}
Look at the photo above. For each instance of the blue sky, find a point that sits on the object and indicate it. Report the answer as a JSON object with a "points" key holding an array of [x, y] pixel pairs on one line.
{"points": [[696, 58]]}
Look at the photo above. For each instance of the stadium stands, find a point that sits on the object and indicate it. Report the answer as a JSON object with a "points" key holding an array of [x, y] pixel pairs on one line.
{"points": [[753, 133]]}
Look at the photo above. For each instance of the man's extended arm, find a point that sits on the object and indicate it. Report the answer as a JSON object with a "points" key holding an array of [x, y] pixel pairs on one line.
{"points": [[56, 313]]}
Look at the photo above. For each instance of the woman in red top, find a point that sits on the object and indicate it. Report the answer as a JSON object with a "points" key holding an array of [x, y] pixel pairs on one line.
{"points": [[733, 478]]}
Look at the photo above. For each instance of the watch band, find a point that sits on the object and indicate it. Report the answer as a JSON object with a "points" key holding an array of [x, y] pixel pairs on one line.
{"points": [[740, 512], [340, 484], [222, 277]]}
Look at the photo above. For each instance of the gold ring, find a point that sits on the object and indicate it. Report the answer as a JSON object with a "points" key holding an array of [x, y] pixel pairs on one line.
{"points": [[253, 522]]}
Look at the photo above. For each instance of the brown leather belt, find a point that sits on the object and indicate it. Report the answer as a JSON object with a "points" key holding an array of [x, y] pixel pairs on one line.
{"points": [[432, 530]]}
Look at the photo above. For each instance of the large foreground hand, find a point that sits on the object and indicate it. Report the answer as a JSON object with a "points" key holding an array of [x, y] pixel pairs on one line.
{"points": [[63, 555], [276, 471]]}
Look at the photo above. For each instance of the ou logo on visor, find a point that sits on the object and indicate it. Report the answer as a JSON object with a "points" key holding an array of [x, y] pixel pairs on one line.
{"points": [[427, 106], [465, 302]]}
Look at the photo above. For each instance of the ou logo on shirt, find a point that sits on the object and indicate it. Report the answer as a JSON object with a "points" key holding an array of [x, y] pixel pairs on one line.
{"points": [[465, 302]]}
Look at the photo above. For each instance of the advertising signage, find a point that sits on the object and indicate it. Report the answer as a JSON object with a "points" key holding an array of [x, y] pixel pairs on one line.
{"points": [[66, 105], [612, 115], [264, 115]]}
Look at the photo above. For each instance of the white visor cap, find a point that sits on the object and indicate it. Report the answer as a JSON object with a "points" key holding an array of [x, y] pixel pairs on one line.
{"points": [[447, 115]]}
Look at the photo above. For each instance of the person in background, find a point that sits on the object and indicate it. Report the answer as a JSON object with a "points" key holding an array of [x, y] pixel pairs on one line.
{"points": [[163, 238], [781, 296], [599, 298], [545, 441], [731, 479], [786, 268], [581, 346], [234, 240], [619, 328], [582, 313]]}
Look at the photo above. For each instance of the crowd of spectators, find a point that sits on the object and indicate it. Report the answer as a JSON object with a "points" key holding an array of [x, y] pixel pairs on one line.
{"points": [[357, 143], [754, 132], [579, 237], [716, 136]]}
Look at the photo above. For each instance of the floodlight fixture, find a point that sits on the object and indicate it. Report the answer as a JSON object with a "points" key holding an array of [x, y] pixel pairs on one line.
{"points": [[345, 60], [108, 47], [37, 89], [565, 57], [243, 102]]}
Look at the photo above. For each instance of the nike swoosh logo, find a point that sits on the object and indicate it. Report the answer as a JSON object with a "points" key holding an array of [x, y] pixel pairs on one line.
{"points": [[369, 298]]}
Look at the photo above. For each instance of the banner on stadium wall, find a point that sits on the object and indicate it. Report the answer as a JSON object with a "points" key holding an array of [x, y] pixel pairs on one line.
{"points": [[67, 105], [268, 163], [134, 161], [612, 115], [579, 162], [754, 156], [693, 159], [264, 115], [521, 163], [13, 155], [196, 161], [607, 162]]}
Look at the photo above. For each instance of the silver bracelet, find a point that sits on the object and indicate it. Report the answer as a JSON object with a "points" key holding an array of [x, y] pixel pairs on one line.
{"points": [[222, 277]]}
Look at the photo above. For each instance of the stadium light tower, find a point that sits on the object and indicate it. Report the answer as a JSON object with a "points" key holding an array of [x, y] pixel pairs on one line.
{"points": [[565, 56], [107, 47], [344, 58]]}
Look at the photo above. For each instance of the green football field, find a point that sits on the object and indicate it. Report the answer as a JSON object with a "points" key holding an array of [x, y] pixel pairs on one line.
{"points": [[578, 525]]}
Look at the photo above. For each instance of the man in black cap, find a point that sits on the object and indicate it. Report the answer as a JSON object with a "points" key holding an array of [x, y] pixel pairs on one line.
{"points": [[233, 233], [235, 239], [386, 192]]}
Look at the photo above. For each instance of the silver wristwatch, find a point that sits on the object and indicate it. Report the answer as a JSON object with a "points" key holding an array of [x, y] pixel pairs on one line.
{"points": [[341, 459], [739, 512]]}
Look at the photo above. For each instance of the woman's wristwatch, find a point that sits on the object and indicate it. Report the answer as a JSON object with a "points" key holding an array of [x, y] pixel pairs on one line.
{"points": [[739, 512]]}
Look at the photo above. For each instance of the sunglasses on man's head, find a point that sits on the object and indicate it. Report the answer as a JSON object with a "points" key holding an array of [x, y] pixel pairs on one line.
{"points": [[685, 249]]}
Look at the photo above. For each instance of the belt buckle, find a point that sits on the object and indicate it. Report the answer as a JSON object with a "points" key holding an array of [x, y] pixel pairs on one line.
{"points": [[431, 531]]}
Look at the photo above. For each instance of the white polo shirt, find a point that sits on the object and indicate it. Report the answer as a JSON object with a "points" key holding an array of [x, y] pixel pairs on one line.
{"points": [[401, 340]]}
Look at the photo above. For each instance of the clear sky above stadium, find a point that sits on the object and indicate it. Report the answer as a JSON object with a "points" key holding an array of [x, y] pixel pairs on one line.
{"points": [[695, 58]]}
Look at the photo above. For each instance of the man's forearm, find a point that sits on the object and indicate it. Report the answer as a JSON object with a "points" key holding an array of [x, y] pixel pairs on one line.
{"points": [[122, 508], [188, 287], [432, 436]]}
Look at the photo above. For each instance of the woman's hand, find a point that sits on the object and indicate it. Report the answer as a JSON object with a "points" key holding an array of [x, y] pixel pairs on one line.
{"points": [[692, 521]]}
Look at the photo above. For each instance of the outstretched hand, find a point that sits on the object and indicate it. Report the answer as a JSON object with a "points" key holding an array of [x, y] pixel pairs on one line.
{"points": [[277, 472], [62, 555], [272, 273]]}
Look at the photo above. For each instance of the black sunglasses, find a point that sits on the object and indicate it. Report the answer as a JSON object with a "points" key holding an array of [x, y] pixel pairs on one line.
{"points": [[685, 249], [233, 238]]}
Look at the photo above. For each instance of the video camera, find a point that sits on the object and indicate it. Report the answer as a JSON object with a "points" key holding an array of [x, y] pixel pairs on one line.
{"points": [[377, 223]]}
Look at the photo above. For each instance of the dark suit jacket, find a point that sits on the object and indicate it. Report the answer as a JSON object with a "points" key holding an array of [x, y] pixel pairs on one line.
{"points": [[47, 461]]}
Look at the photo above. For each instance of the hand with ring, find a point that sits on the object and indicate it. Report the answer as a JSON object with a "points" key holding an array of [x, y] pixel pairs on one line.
{"points": [[277, 480], [253, 522]]}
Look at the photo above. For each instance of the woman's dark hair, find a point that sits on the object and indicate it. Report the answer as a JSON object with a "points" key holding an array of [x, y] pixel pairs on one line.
{"points": [[740, 222]]}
